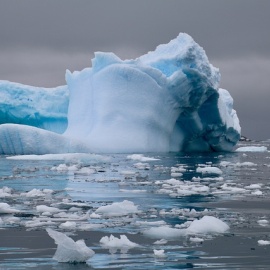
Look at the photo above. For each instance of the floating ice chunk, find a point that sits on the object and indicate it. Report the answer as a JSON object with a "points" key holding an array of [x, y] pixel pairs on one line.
{"points": [[263, 222], [95, 215], [142, 166], [68, 250], [35, 193], [75, 157], [176, 174], [68, 225], [89, 227], [141, 157], [114, 243], [159, 253], [207, 224], [209, 170], [257, 193], [254, 186], [118, 209], [252, 149], [44, 208], [263, 242], [164, 232], [128, 173], [232, 189], [5, 192], [7, 209], [38, 223], [245, 164], [161, 242], [196, 239]]}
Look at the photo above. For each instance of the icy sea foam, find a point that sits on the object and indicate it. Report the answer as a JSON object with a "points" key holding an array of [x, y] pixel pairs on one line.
{"points": [[166, 100]]}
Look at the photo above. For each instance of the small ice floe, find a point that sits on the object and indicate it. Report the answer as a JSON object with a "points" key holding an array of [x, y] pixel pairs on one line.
{"points": [[237, 164], [207, 224], [38, 223], [252, 149], [37, 193], [142, 166], [69, 251], [66, 157], [113, 243], [49, 209], [196, 239], [5, 192], [159, 253], [68, 225], [133, 190], [64, 168], [226, 188], [209, 170], [176, 174], [177, 188], [263, 242], [161, 242], [86, 170], [164, 232], [254, 186], [263, 222], [118, 209], [257, 193], [7, 209], [177, 171], [141, 158], [128, 174]]}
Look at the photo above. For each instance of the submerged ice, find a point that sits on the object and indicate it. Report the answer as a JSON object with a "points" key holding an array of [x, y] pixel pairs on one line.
{"points": [[166, 100]]}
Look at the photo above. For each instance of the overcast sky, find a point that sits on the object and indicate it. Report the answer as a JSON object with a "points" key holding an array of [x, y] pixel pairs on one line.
{"points": [[39, 40]]}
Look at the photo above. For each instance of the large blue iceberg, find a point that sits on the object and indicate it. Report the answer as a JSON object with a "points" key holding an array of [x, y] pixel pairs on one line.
{"points": [[166, 100]]}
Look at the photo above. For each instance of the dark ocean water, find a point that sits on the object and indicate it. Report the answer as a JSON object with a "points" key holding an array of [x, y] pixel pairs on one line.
{"points": [[239, 196]]}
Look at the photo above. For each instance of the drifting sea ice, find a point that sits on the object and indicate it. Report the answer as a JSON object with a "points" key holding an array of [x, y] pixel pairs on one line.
{"points": [[118, 209], [209, 171], [159, 253], [7, 209], [68, 250], [141, 157], [263, 242], [113, 243], [205, 225], [252, 149]]}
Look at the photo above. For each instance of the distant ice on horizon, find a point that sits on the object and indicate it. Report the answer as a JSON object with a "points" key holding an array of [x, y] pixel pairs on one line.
{"points": [[166, 100]]}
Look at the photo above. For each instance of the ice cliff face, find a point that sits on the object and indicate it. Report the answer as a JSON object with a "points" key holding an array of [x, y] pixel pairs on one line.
{"points": [[166, 100]]}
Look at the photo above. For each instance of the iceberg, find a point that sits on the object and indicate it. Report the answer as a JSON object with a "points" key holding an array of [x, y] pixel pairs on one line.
{"points": [[166, 100]]}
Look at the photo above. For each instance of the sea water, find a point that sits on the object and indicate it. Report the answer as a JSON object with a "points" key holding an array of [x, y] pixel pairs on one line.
{"points": [[79, 185]]}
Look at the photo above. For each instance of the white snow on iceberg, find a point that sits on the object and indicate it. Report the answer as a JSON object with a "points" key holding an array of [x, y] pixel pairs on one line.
{"points": [[166, 100]]}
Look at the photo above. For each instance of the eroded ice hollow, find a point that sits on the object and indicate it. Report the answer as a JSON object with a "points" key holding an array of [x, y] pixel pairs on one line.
{"points": [[166, 100]]}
